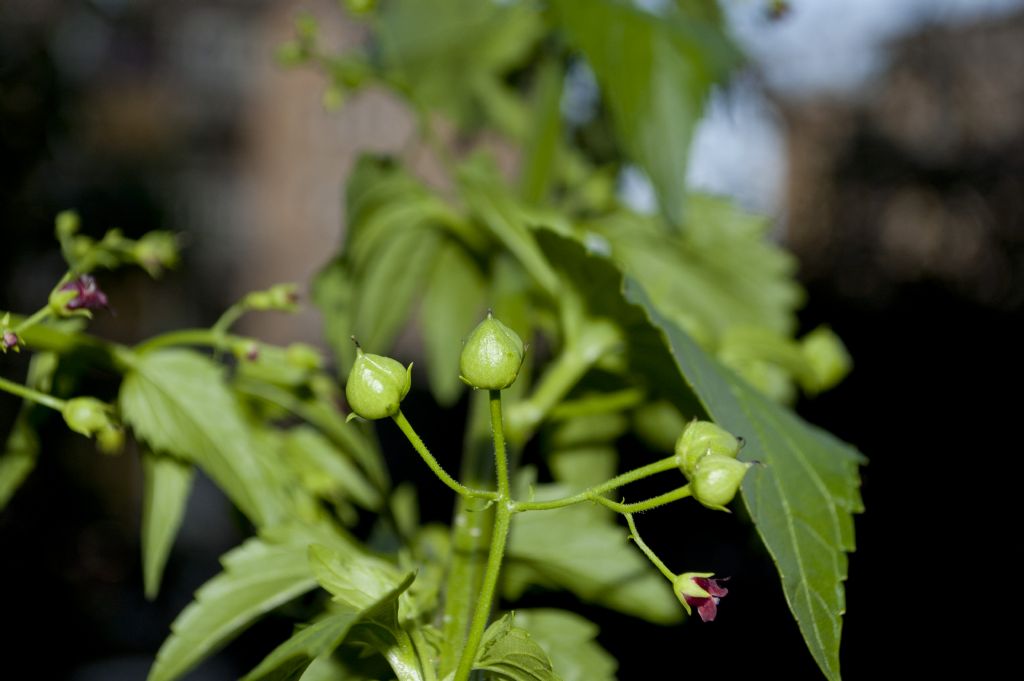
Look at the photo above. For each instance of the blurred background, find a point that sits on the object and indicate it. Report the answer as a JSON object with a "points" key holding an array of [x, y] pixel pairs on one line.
{"points": [[885, 137]]}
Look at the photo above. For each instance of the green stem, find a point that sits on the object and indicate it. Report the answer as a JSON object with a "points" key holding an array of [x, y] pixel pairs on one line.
{"points": [[594, 493], [502, 519], [653, 502], [206, 337], [419, 642], [32, 395], [39, 316], [635, 536], [429, 459]]}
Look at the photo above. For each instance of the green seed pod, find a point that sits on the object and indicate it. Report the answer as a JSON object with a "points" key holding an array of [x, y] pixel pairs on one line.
{"points": [[492, 356], [828, 358], [86, 415], [376, 386], [716, 480], [700, 438]]}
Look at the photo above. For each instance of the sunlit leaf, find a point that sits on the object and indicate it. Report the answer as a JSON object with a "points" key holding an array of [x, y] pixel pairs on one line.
{"points": [[176, 401], [655, 71]]}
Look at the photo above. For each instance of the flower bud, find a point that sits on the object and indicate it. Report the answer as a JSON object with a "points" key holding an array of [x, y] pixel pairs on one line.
{"points": [[9, 341], [303, 356], [110, 439], [67, 224], [716, 479], [86, 415], [829, 360], [492, 356], [156, 252], [376, 385], [281, 297], [700, 438]]}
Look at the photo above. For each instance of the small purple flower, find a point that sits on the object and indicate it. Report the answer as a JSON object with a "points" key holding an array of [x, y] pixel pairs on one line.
{"points": [[89, 297], [10, 340], [698, 590]]}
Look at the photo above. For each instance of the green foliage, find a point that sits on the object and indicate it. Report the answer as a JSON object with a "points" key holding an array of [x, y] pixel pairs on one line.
{"points": [[655, 71], [258, 576], [177, 402], [166, 484], [801, 497], [631, 325], [509, 652], [568, 640]]}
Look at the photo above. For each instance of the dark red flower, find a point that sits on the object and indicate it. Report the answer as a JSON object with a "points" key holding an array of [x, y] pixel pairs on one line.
{"points": [[89, 297], [699, 590]]}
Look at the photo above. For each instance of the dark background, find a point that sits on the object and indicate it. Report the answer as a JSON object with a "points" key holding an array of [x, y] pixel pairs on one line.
{"points": [[910, 239]]}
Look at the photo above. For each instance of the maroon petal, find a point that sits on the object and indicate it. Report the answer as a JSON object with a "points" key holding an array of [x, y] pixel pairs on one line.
{"points": [[712, 586], [708, 609]]}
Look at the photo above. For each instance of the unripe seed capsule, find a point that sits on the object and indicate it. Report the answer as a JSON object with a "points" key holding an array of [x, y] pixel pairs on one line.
{"points": [[377, 385], [716, 480], [700, 438], [492, 356]]}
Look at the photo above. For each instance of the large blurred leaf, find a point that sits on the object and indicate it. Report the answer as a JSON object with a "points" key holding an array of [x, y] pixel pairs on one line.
{"points": [[454, 54], [452, 306], [176, 401], [392, 226], [722, 271], [166, 484], [508, 652], [568, 639], [802, 497], [655, 72], [326, 470], [581, 549], [258, 576]]}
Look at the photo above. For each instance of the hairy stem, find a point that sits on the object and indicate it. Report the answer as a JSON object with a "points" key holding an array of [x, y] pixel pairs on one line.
{"points": [[499, 536], [594, 493], [653, 502], [635, 536], [429, 459]]}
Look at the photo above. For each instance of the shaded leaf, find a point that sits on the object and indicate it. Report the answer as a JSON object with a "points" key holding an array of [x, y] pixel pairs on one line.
{"points": [[290, 660], [258, 576], [176, 401], [568, 639], [452, 306], [166, 484], [508, 652], [801, 498], [580, 548], [655, 72], [326, 470]]}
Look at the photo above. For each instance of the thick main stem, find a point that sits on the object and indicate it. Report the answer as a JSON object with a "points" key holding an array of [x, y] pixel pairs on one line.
{"points": [[502, 519]]}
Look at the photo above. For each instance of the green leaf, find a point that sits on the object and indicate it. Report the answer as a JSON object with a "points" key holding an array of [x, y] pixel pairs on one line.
{"points": [[452, 306], [720, 272], [488, 199], [290, 660], [580, 548], [655, 72], [176, 401], [357, 581], [326, 470], [545, 139], [802, 498], [21, 449], [584, 466], [19, 457], [508, 652], [459, 64], [258, 576], [568, 639], [166, 484]]}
